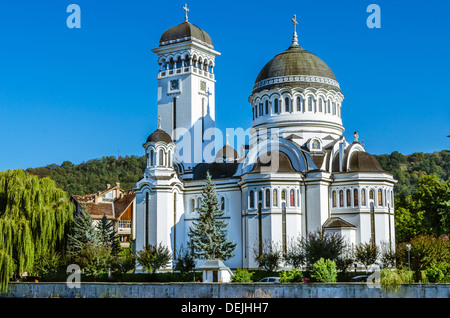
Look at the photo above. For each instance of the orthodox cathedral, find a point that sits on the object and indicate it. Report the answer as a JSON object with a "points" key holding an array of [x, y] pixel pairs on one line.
{"points": [[297, 174]]}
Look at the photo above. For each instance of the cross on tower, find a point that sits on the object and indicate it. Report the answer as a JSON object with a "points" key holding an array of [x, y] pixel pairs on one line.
{"points": [[294, 37], [186, 10]]}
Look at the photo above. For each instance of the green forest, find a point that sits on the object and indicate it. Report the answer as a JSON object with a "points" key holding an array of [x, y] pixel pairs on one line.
{"points": [[93, 175]]}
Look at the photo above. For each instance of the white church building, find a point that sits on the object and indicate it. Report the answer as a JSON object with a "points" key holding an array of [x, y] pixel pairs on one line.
{"points": [[296, 174]]}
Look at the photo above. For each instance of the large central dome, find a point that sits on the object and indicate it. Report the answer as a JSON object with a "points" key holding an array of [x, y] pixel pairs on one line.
{"points": [[296, 67]]}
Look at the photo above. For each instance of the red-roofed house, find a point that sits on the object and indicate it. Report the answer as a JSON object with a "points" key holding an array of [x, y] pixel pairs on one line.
{"points": [[117, 205]]}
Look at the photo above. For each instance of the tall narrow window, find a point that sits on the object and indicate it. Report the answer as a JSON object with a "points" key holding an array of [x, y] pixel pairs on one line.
{"points": [[334, 199], [252, 199], [174, 223], [275, 106], [286, 105], [203, 119], [192, 205], [292, 197], [299, 104], [341, 198], [310, 103], [334, 108], [355, 198], [329, 106], [371, 194], [392, 198], [261, 109], [275, 197], [174, 110], [161, 157], [147, 216], [380, 197], [283, 228], [363, 197], [199, 203], [260, 195], [320, 104], [152, 155], [349, 197], [267, 107], [260, 236], [222, 203], [267, 198], [283, 195]]}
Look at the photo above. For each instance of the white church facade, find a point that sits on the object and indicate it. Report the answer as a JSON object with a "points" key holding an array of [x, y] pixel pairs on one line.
{"points": [[296, 175]]}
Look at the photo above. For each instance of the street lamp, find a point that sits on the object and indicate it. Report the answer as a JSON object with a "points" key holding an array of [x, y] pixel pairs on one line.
{"points": [[408, 248]]}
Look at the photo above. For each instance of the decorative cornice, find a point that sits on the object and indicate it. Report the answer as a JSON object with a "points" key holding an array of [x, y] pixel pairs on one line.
{"points": [[296, 78], [186, 38]]}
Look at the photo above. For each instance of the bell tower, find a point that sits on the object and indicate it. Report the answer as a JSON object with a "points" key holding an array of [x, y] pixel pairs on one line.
{"points": [[186, 89]]}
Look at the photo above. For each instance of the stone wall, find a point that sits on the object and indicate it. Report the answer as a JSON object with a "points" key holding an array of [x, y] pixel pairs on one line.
{"points": [[223, 290]]}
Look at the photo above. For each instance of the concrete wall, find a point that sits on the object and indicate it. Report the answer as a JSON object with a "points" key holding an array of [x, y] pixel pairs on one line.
{"points": [[223, 290]]}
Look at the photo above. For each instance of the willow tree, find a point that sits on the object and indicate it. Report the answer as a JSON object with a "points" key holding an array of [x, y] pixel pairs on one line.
{"points": [[34, 215]]}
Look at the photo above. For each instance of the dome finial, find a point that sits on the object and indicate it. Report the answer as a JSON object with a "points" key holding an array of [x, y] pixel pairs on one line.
{"points": [[294, 37], [186, 10]]}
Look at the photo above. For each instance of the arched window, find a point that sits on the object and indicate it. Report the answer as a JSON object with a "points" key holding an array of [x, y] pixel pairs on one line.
{"points": [[199, 203], [192, 205], [310, 103], [261, 109], [222, 204], [292, 197], [385, 199], [392, 198], [169, 159], [329, 106], [275, 197], [320, 104], [179, 63], [334, 108], [380, 197], [355, 197], [267, 198], [334, 199], [341, 198], [152, 155], [260, 195], [349, 197], [371, 194], [161, 157], [299, 103], [286, 104], [252, 199], [363, 197], [283, 195], [275, 106], [267, 107]]}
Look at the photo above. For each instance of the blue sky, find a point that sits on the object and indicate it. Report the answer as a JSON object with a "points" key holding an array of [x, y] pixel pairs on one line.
{"points": [[80, 94]]}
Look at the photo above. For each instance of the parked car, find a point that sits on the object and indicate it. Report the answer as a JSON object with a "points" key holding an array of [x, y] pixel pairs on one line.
{"points": [[270, 280], [362, 278]]}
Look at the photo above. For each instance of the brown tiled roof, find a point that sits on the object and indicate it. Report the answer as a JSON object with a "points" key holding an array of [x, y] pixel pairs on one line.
{"points": [[109, 209]]}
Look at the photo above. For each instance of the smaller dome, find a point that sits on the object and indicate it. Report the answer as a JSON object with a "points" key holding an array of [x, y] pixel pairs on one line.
{"points": [[364, 162], [159, 135], [282, 164], [185, 31], [227, 152]]}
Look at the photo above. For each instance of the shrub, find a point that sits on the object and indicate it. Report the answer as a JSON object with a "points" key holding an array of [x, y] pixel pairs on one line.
{"points": [[366, 254], [154, 257], [437, 273], [185, 261], [294, 275], [390, 280], [318, 245], [324, 271], [94, 259], [270, 257], [242, 275]]}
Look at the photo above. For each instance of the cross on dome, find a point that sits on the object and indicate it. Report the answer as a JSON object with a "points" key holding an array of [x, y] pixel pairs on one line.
{"points": [[294, 37], [186, 10]]}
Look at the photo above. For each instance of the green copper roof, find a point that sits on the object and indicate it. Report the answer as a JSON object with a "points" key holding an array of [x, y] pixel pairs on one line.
{"points": [[296, 67]]}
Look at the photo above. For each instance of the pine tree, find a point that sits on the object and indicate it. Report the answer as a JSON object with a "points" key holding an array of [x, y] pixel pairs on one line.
{"points": [[108, 235], [208, 236], [34, 215], [83, 232]]}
